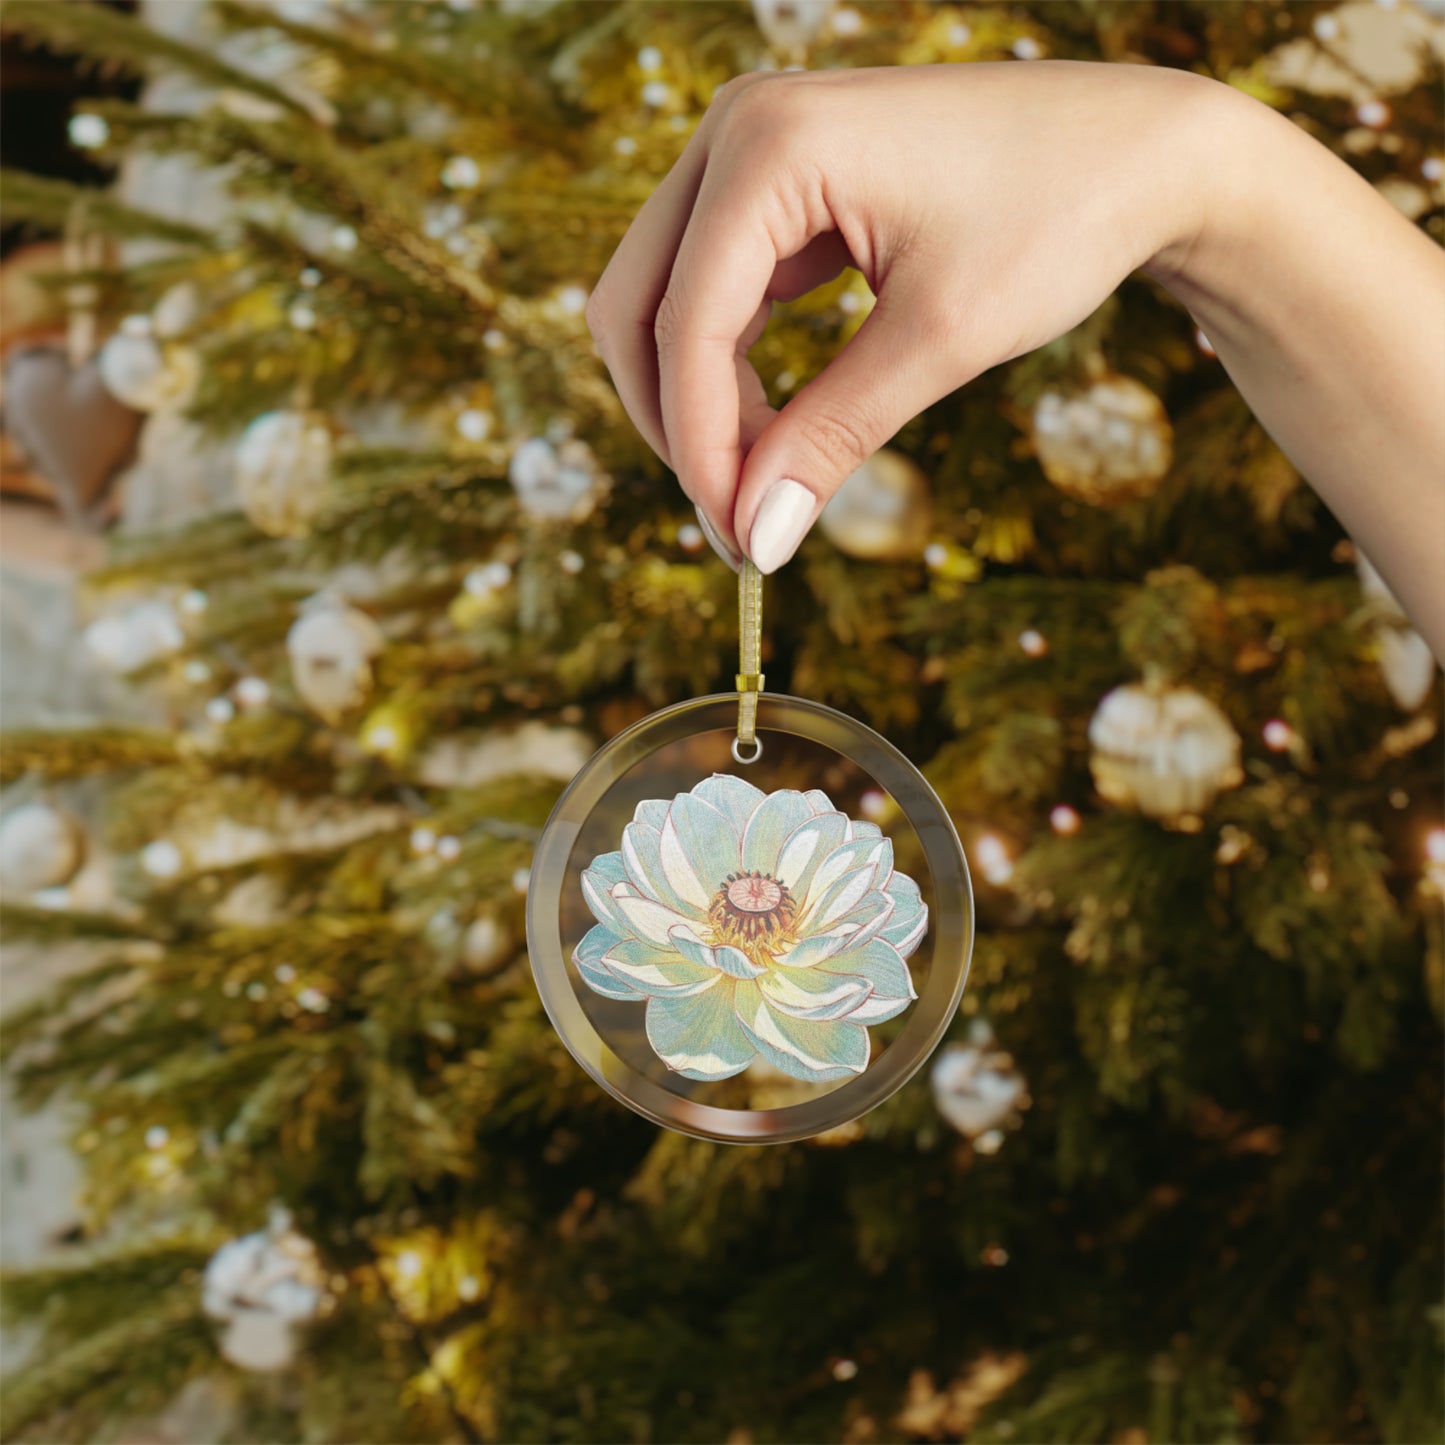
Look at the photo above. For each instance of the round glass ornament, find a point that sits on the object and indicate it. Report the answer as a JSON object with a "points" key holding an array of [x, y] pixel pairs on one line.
{"points": [[750, 942]]}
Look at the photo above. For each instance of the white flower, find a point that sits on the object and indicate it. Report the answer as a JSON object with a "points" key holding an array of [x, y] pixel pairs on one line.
{"points": [[753, 923]]}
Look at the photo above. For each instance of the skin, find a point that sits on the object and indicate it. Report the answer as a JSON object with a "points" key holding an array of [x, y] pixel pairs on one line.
{"points": [[990, 209]]}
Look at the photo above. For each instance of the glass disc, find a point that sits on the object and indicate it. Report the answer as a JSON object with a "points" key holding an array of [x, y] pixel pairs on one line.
{"points": [[750, 952]]}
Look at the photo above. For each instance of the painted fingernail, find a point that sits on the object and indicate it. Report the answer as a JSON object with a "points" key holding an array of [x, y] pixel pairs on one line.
{"points": [[716, 542], [782, 522]]}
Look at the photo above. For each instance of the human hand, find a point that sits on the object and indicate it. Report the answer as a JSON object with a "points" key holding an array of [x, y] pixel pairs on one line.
{"points": [[989, 207]]}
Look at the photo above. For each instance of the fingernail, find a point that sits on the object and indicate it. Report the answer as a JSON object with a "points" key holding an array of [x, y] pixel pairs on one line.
{"points": [[716, 542], [781, 524]]}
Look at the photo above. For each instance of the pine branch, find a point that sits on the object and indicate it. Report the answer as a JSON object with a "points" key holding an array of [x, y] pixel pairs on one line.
{"points": [[53, 204], [117, 42]]}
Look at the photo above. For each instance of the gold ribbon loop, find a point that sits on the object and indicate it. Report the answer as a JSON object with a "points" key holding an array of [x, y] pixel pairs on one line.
{"points": [[750, 658]]}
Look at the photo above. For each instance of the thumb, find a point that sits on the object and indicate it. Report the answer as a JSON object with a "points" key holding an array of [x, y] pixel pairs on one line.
{"points": [[898, 363]]}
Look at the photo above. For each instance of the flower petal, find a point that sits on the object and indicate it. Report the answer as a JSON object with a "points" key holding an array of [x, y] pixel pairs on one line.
{"points": [[598, 882], [725, 959], [818, 946], [864, 830], [841, 898], [881, 966], [768, 829], [809, 993], [699, 849], [699, 1037], [658, 971], [806, 848], [801, 1048], [847, 856], [646, 919], [905, 930], [642, 857], [595, 974], [652, 811], [736, 800], [873, 914], [819, 801]]}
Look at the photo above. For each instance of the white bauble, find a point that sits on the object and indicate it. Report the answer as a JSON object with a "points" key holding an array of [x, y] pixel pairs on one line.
{"points": [[976, 1086], [792, 25], [1166, 751], [554, 483], [1110, 443], [147, 374], [40, 847], [262, 1286], [283, 470], [882, 512], [143, 633], [1405, 657], [331, 647], [487, 945], [258, 1341]]}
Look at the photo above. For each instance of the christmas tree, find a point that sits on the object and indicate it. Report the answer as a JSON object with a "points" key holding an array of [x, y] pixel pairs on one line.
{"points": [[1176, 1176]]}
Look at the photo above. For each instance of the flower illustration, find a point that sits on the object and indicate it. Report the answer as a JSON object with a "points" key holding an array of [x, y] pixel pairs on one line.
{"points": [[753, 923]]}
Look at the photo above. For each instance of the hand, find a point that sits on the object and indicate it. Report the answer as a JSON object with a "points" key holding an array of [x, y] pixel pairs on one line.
{"points": [[989, 207]]}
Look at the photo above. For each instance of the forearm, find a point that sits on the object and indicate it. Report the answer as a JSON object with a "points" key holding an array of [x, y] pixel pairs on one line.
{"points": [[1327, 308]]}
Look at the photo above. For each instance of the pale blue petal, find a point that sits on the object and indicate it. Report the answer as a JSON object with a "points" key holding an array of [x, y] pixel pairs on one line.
{"points": [[809, 993], [872, 915], [736, 800], [801, 1048], [652, 811], [768, 829], [646, 919], [725, 959], [835, 903], [819, 801], [909, 923], [805, 849], [598, 882], [658, 971], [595, 974], [879, 963], [864, 830], [699, 848], [875, 1010], [819, 946], [875, 852], [642, 855], [700, 1037]]}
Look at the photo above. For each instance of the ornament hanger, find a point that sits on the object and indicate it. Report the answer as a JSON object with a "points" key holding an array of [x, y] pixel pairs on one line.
{"points": [[750, 659]]}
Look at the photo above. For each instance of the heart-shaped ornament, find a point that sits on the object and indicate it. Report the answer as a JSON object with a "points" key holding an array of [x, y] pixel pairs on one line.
{"points": [[77, 435]]}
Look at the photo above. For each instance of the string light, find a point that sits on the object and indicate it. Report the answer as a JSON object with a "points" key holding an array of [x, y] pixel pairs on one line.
{"points": [[313, 1000], [1026, 48], [196, 671], [689, 537], [1278, 735], [649, 58], [1064, 820], [344, 238], [423, 840], [521, 879], [935, 555], [1204, 343], [1326, 27], [194, 602], [87, 131], [252, 692], [461, 173], [873, 804], [993, 859], [449, 849], [469, 1287], [656, 93], [408, 1264], [1033, 642], [157, 1136], [845, 1370], [1435, 859], [571, 563], [1373, 113], [491, 577]]}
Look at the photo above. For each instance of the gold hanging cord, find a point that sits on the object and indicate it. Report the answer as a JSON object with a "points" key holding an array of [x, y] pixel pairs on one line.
{"points": [[750, 659]]}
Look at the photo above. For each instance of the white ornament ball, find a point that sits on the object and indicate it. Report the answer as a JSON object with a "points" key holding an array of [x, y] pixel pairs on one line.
{"points": [[883, 512], [1167, 751], [40, 847], [792, 25], [487, 945], [1110, 443], [331, 647], [976, 1086], [147, 374], [554, 482], [261, 1287], [283, 470], [1405, 658], [132, 639]]}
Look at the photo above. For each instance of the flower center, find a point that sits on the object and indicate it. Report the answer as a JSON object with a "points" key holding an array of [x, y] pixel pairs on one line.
{"points": [[753, 912]]}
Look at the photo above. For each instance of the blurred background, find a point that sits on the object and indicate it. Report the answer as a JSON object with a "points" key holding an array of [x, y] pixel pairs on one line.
{"points": [[328, 556]]}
